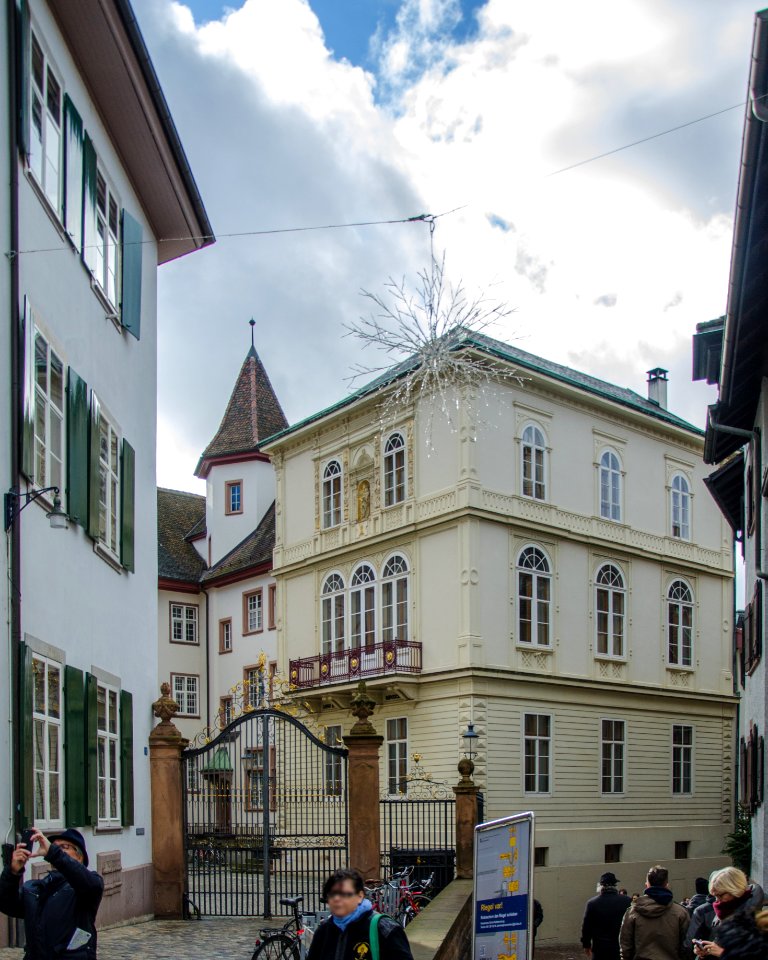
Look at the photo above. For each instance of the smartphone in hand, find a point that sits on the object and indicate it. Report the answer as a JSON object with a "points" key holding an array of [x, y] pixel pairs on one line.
{"points": [[26, 839]]}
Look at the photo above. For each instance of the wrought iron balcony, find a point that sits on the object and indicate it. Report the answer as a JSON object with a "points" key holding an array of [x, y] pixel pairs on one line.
{"points": [[376, 660]]}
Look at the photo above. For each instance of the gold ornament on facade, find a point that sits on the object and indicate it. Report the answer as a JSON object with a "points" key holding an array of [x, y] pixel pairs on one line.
{"points": [[363, 500]]}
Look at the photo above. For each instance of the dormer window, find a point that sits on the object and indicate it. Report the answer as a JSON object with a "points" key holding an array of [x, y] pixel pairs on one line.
{"points": [[233, 497]]}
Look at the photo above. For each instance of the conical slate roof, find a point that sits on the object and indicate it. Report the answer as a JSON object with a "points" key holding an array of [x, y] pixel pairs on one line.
{"points": [[253, 414]]}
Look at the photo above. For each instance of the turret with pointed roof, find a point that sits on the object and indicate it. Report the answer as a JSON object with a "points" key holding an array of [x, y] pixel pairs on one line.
{"points": [[253, 414]]}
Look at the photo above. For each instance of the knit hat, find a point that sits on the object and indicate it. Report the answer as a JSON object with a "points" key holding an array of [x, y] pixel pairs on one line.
{"points": [[702, 886], [75, 838]]}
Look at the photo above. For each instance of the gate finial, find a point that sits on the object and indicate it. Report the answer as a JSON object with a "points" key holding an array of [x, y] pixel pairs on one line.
{"points": [[362, 706], [165, 708]]}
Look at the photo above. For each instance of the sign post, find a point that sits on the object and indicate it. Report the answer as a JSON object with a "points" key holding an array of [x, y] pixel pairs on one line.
{"points": [[503, 896]]}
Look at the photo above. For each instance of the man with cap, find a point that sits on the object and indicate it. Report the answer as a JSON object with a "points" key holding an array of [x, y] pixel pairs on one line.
{"points": [[602, 920], [58, 910]]}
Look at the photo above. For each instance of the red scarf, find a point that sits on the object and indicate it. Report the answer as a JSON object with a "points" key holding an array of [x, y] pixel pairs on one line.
{"points": [[726, 908]]}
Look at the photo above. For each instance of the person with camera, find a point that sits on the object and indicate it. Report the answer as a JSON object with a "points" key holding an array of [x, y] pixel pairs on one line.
{"points": [[59, 909]]}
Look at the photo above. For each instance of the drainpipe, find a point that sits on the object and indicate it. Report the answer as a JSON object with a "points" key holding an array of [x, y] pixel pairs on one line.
{"points": [[207, 660]]}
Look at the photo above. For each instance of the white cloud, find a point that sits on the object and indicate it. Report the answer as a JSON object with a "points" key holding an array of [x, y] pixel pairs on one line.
{"points": [[609, 266]]}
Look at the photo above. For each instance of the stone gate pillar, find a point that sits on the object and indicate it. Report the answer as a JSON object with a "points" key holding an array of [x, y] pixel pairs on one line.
{"points": [[166, 745], [466, 820], [364, 745]]}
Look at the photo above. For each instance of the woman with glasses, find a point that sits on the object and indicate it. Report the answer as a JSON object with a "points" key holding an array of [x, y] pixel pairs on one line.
{"points": [[354, 931]]}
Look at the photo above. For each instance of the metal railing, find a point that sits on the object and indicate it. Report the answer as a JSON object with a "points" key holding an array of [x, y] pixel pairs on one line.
{"points": [[376, 660]]}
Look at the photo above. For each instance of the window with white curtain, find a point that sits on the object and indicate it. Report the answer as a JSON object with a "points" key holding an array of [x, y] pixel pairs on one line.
{"points": [[394, 470], [534, 595], [534, 455], [610, 486], [681, 507], [332, 494], [610, 611], [332, 614], [394, 600], [679, 624], [363, 607]]}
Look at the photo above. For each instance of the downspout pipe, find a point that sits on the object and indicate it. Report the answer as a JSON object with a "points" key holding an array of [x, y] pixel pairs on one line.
{"points": [[207, 659]]}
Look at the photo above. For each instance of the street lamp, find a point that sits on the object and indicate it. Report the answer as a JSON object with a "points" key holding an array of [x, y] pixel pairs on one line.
{"points": [[15, 501], [469, 745]]}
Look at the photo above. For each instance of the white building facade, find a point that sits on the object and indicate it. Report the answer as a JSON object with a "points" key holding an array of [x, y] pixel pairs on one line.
{"points": [[217, 608], [100, 193], [556, 575]]}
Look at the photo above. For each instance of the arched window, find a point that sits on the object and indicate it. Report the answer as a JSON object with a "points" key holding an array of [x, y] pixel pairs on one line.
{"points": [[610, 486], [394, 470], [394, 600], [681, 507], [610, 607], [363, 608], [679, 625], [332, 614], [534, 463], [332, 494], [534, 591]]}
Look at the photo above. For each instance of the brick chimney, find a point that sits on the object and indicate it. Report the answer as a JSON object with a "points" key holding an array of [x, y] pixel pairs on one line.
{"points": [[657, 386]]}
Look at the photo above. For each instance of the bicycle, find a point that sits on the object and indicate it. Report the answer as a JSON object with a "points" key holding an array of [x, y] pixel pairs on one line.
{"points": [[400, 898], [291, 941]]}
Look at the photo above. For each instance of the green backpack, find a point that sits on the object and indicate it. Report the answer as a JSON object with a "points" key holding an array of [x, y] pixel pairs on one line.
{"points": [[373, 936]]}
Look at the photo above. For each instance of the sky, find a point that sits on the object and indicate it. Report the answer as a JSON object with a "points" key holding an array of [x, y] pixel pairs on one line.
{"points": [[305, 112]]}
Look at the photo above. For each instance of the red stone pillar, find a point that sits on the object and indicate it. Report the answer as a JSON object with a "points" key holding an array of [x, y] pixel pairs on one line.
{"points": [[364, 746], [166, 745], [466, 820]]}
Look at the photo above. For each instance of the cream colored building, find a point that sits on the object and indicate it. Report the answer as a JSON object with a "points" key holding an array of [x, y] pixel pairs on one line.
{"points": [[556, 573]]}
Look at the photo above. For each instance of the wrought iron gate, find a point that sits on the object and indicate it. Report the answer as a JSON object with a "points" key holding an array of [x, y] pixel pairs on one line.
{"points": [[265, 815]]}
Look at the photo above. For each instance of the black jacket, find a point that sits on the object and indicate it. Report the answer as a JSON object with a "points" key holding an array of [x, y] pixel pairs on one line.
{"points": [[331, 943], [53, 907], [698, 900], [602, 924]]}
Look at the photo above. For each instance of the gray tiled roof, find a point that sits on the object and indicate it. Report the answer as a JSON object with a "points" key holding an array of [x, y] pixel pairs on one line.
{"points": [[520, 358], [177, 513]]}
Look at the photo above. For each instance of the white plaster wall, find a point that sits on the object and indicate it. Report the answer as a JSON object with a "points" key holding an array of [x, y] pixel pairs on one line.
{"points": [[71, 597], [258, 493], [182, 657]]}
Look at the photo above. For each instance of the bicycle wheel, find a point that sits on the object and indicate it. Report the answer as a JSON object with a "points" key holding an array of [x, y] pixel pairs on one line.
{"points": [[413, 909], [277, 947]]}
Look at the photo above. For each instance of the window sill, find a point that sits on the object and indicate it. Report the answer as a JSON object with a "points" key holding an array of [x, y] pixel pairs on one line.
{"points": [[185, 643], [609, 658], [533, 648], [224, 652], [233, 513], [110, 310], [253, 633], [680, 668], [107, 556], [48, 207], [188, 716], [106, 829]]}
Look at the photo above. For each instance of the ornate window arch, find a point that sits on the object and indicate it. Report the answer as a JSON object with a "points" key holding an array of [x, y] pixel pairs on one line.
{"points": [[680, 624], [610, 485], [332, 477], [534, 462], [333, 605], [394, 469], [395, 588], [534, 598], [680, 506], [610, 611], [362, 607]]}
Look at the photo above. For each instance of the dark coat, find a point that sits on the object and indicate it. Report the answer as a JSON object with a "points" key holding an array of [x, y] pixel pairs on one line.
{"points": [[704, 922], [53, 907], [698, 900], [602, 924], [331, 943]]}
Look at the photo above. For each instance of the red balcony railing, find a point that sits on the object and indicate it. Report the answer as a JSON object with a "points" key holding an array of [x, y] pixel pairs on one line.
{"points": [[377, 660]]}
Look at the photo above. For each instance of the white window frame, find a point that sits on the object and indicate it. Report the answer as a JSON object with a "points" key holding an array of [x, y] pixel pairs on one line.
{"points": [[333, 614], [680, 506], [109, 486], [614, 593], [610, 485], [537, 461], [184, 621], [677, 606], [395, 599], [225, 626], [537, 604], [332, 487], [333, 770], [395, 469], [48, 722], [48, 173], [108, 752], [50, 417], [397, 757], [186, 693], [542, 759], [253, 612], [682, 755], [363, 602], [106, 247], [253, 680], [612, 743]]}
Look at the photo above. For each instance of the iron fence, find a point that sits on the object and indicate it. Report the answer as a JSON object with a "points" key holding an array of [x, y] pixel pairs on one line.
{"points": [[419, 833]]}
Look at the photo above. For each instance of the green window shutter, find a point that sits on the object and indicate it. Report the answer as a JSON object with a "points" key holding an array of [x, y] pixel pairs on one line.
{"points": [[28, 414], [74, 747], [89, 203], [127, 504], [126, 758], [77, 448], [131, 255], [91, 750], [94, 468], [24, 76], [26, 737], [73, 173]]}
